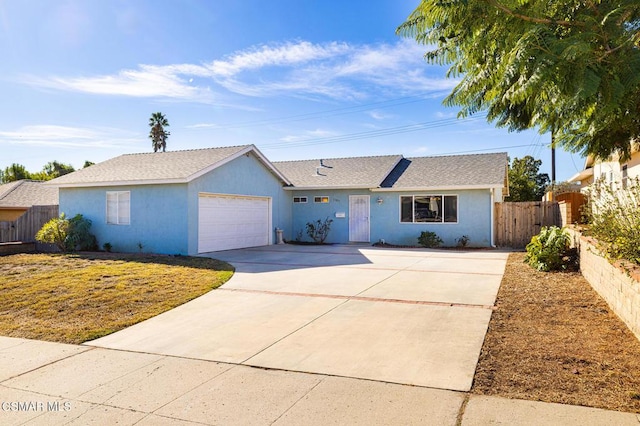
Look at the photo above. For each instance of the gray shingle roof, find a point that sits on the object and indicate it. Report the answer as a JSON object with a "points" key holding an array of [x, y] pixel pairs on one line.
{"points": [[27, 193], [476, 170], [158, 167], [354, 172]]}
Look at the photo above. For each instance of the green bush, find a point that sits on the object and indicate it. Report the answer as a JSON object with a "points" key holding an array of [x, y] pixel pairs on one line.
{"points": [[318, 231], [68, 234], [614, 219], [549, 250], [429, 239]]}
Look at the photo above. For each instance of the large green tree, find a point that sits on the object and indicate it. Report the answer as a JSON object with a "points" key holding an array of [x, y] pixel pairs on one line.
{"points": [[525, 181], [571, 67], [158, 134], [15, 172]]}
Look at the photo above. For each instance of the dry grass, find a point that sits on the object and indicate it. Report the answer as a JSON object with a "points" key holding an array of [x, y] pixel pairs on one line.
{"points": [[75, 298], [553, 339]]}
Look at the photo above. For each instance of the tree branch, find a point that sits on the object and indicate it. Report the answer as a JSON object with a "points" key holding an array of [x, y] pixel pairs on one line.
{"points": [[547, 21]]}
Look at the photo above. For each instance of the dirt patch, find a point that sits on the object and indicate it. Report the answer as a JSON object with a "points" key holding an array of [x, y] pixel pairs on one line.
{"points": [[553, 339]]}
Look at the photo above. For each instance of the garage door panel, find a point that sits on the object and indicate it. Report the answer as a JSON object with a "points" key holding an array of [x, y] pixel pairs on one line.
{"points": [[230, 222]]}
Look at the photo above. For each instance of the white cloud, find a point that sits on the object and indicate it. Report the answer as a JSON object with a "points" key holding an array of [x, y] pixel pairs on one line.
{"points": [[64, 136], [298, 69], [310, 134]]}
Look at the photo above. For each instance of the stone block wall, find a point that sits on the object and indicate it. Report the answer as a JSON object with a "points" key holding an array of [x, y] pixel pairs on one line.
{"points": [[618, 284]]}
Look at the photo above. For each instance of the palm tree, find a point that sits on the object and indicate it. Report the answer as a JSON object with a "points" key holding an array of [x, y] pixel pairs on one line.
{"points": [[158, 134]]}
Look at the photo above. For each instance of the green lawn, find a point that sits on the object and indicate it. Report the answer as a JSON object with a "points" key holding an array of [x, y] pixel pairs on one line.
{"points": [[73, 298]]}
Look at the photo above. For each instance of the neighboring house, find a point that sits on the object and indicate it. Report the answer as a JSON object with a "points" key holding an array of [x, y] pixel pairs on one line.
{"points": [[394, 199], [19, 196], [197, 201], [612, 171]]}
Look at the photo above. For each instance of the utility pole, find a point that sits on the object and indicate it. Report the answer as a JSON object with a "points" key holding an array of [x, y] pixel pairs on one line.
{"points": [[553, 162]]}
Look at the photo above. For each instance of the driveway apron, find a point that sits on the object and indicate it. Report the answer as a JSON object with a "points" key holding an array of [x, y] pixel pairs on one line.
{"points": [[404, 316]]}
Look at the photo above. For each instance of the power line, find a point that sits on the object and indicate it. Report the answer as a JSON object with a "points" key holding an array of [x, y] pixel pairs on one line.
{"points": [[372, 133], [327, 113]]}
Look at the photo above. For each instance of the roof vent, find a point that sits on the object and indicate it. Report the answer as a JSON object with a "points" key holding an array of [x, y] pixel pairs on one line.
{"points": [[321, 166]]}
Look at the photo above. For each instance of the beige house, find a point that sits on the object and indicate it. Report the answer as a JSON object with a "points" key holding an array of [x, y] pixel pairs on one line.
{"points": [[19, 196], [611, 171]]}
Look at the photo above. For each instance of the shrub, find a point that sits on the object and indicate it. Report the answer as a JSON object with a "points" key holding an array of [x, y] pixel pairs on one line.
{"points": [[107, 247], [55, 232], [549, 250], [79, 237], [463, 241], [429, 239], [614, 218], [68, 234], [319, 230]]}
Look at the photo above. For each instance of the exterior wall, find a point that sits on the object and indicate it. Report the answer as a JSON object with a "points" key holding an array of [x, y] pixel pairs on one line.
{"points": [[609, 171], [11, 214], [633, 165], [245, 175], [474, 217], [158, 217]]}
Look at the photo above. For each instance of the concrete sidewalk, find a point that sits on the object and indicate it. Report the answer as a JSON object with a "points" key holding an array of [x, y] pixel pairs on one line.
{"points": [[44, 383]]}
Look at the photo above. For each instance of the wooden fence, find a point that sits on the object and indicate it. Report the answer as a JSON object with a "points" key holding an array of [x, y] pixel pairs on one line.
{"points": [[516, 223], [26, 226]]}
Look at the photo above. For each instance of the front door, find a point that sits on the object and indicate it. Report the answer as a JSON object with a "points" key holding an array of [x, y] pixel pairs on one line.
{"points": [[359, 218]]}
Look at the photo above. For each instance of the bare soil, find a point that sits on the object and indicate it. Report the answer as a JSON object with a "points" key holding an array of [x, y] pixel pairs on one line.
{"points": [[553, 339]]}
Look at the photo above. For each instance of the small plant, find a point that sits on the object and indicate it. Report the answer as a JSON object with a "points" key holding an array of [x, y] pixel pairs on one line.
{"points": [[549, 250], [298, 236], [107, 247], [68, 234], [614, 218], [463, 241], [429, 239], [140, 247], [319, 230]]}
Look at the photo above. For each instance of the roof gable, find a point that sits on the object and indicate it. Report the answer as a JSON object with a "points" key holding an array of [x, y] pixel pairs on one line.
{"points": [[353, 172], [160, 167]]}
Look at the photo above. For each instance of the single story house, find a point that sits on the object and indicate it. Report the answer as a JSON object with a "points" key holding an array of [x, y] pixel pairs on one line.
{"points": [[19, 196], [198, 201]]}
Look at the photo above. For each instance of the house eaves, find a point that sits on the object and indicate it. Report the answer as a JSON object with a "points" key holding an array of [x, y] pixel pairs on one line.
{"points": [[323, 188], [437, 188]]}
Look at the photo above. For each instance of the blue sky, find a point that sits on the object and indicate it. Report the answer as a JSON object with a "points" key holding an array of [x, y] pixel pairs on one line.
{"points": [[299, 79]]}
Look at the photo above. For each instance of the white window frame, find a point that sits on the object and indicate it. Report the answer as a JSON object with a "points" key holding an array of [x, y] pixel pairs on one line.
{"points": [[302, 199], [321, 199], [120, 218], [413, 209]]}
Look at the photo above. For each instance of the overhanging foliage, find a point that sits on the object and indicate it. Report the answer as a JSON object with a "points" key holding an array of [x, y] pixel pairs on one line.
{"points": [[571, 67]]}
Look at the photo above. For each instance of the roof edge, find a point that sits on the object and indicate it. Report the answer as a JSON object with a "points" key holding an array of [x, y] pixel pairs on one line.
{"points": [[438, 188]]}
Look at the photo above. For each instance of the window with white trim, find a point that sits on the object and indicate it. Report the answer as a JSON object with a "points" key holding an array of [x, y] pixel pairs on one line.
{"points": [[119, 207], [299, 199], [429, 209], [323, 199]]}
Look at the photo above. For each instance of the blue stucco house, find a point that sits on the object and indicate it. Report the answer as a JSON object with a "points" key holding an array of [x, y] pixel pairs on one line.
{"points": [[198, 201]]}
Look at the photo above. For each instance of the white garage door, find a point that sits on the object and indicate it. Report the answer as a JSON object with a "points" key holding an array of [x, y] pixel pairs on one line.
{"points": [[228, 222]]}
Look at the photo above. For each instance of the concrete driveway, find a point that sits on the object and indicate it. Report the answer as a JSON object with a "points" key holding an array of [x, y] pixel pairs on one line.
{"points": [[415, 317]]}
